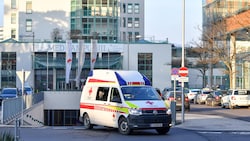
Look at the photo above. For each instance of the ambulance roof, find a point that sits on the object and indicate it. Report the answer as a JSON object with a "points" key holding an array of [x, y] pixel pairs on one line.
{"points": [[123, 77]]}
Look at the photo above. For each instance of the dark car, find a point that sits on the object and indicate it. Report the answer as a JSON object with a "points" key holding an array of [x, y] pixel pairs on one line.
{"points": [[169, 96], [9, 93], [214, 99]]}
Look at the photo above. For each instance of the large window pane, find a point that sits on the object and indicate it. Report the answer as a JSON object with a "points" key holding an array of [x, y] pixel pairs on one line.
{"points": [[28, 25], [145, 64]]}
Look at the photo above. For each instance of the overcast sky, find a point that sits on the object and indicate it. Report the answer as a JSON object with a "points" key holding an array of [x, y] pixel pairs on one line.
{"points": [[163, 19]]}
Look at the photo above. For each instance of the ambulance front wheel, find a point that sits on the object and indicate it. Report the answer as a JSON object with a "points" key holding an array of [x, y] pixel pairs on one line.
{"points": [[162, 131], [86, 121], [123, 126]]}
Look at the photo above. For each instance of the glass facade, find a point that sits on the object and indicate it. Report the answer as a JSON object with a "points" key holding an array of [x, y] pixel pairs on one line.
{"points": [[61, 117], [55, 66], [145, 65], [8, 69], [94, 19]]}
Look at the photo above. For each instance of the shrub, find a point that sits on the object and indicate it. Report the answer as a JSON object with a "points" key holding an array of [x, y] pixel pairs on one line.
{"points": [[6, 136]]}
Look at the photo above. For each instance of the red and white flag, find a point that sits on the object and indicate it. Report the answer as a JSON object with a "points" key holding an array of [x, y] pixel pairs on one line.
{"points": [[68, 59], [81, 58], [93, 53]]}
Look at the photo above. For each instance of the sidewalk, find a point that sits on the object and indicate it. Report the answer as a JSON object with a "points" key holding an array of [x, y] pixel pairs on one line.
{"points": [[212, 123]]}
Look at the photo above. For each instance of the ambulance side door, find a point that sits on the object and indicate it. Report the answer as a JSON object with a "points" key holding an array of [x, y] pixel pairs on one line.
{"points": [[101, 106], [115, 103]]}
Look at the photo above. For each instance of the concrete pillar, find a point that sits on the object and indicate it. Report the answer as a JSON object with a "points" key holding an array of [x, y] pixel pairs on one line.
{"points": [[54, 74]]}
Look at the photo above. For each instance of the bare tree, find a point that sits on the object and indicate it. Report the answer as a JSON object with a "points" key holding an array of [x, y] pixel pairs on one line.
{"points": [[202, 60], [221, 32], [75, 34], [56, 35]]}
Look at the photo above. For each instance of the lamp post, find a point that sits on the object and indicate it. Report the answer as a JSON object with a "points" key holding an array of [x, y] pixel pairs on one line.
{"points": [[128, 42], [182, 59], [47, 72]]}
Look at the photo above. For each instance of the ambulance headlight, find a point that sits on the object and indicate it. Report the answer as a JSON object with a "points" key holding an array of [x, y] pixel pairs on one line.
{"points": [[169, 112], [135, 111]]}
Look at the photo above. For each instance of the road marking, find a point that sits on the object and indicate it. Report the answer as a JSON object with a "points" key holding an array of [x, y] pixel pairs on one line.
{"points": [[219, 132]]}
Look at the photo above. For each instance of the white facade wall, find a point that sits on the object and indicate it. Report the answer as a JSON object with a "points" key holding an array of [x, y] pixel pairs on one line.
{"points": [[62, 100], [56, 14], [161, 57]]}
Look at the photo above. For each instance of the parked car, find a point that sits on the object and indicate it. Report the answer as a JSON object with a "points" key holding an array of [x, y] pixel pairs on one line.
{"points": [[201, 98], [236, 98], [192, 93], [214, 99], [28, 90], [169, 96], [166, 90], [8, 93]]}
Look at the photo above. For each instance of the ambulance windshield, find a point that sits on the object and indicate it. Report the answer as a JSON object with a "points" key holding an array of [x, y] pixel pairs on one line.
{"points": [[140, 93]]}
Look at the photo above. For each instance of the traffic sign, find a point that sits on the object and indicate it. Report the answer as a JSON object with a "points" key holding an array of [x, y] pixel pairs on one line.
{"points": [[175, 71], [183, 71]]}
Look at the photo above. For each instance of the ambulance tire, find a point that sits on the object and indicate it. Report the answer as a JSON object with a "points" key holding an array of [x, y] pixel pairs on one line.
{"points": [[123, 126], [86, 121], [162, 131]]}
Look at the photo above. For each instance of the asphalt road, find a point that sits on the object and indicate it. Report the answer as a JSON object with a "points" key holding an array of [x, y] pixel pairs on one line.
{"points": [[77, 133], [241, 113]]}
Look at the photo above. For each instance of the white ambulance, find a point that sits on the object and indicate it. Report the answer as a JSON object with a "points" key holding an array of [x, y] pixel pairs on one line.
{"points": [[124, 100]]}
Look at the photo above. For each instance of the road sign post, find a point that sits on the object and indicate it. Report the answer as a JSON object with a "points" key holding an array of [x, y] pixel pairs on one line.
{"points": [[183, 71]]}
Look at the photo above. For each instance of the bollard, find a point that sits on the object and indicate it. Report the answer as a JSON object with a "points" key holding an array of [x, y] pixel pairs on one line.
{"points": [[17, 133], [173, 110]]}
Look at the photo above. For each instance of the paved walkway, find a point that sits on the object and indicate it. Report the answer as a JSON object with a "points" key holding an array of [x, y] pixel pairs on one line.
{"points": [[212, 123]]}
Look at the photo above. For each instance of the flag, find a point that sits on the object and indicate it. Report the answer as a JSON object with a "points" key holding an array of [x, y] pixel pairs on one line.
{"points": [[81, 58], [93, 53], [68, 59]]}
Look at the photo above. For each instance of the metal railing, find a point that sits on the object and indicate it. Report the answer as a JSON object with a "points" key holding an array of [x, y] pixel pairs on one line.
{"points": [[12, 108]]}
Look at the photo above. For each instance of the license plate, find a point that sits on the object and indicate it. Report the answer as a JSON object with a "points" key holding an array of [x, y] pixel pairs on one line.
{"points": [[156, 125]]}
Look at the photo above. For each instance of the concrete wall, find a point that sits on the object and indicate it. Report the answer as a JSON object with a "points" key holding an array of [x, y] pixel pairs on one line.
{"points": [[62, 100]]}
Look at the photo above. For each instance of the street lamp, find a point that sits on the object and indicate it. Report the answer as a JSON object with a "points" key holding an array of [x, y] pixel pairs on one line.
{"points": [[128, 42], [47, 72], [182, 59]]}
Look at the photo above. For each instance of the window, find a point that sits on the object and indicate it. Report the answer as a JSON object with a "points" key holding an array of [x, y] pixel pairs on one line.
{"points": [[28, 7], [130, 37], [98, 2], [130, 8], [136, 23], [124, 8], [13, 4], [145, 64], [130, 22], [137, 8], [13, 33], [123, 22], [137, 36], [102, 93], [28, 25], [8, 69], [13, 18], [115, 95], [104, 3]]}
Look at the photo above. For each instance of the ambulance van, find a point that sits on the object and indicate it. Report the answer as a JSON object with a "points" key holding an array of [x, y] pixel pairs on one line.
{"points": [[124, 100]]}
